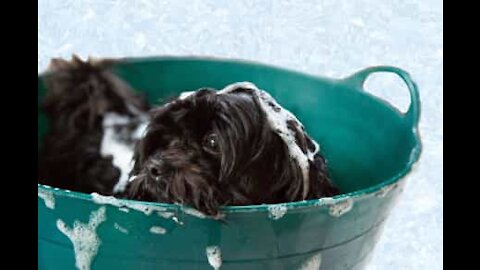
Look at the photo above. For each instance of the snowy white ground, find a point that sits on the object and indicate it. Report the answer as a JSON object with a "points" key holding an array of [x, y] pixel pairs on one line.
{"points": [[331, 37]]}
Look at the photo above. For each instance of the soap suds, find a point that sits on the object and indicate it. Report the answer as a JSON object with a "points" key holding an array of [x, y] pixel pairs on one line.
{"points": [[312, 263], [185, 95], [278, 118], [140, 131], [123, 209], [214, 257], [84, 238], [157, 230], [325, 201], [277, 211], [194, 212], [120, 228], [47, 198], [146, 209], [166, 215], [100, 199], [340, 208], [198, 214], [132, 178], [174, 218]]}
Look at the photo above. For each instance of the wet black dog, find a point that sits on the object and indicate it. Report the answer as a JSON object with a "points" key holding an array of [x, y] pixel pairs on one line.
{"points": [[95, 120], [205, 149], [232, 147]]}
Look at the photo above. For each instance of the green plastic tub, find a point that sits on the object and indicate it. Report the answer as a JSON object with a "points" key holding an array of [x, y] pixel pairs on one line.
{"points": [[370, 147]]}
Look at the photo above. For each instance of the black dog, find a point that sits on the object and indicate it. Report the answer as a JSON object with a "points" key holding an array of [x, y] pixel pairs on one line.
{"points": [[95, 120], [205, 149], [232, 147]]}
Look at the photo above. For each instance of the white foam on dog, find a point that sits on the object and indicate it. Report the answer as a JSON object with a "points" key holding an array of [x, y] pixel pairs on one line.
{"points": [[214, 256], [278, 122], [84, 238], [140, 130], [185, 95]]}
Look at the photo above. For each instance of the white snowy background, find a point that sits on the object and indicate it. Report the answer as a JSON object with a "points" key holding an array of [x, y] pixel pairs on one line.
{"points": [[332, 38]]}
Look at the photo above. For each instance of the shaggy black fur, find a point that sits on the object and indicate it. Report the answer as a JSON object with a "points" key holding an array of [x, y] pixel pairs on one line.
{"points": [[79, 95], [211, 150]]}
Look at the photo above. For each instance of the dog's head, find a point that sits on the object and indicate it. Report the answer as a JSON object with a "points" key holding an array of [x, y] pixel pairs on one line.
{"points": [[82, 92], [233, 147]]}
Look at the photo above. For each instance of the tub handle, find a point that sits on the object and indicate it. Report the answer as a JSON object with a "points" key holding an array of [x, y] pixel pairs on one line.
{"points": [[412, 116]]}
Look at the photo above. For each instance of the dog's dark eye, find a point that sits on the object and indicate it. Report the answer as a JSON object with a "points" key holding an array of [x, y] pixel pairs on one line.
{"points": [[210, 143]]}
